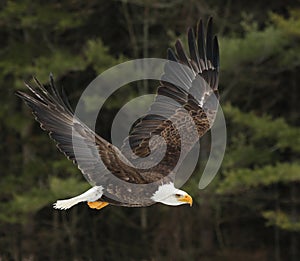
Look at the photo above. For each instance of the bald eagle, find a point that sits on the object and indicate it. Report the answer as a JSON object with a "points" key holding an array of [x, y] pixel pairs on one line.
{"points": [[51, 109]]}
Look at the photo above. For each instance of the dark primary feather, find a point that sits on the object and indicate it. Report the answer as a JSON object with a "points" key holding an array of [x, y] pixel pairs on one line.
{"points": [[201, 44], [55, 115], [209, 39], [182, 57], [171, 55], [195, 59], [201, 106]]}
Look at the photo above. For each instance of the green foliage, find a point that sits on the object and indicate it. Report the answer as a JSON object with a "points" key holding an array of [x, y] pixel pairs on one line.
{"points": [[262, 153], [31, 15], [32, 201], [242, 179], [290, 29], [68, 187], [255, 47], [282, 135], [58, 62], [281, 220], [279, 39], [25, 203], [98, 55]]}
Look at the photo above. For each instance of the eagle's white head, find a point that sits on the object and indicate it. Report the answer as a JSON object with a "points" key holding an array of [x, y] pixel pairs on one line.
{"points": [[169, 195]]}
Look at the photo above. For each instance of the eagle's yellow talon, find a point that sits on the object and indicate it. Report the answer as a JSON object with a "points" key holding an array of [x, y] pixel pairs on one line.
{"points": [[97, 204]]}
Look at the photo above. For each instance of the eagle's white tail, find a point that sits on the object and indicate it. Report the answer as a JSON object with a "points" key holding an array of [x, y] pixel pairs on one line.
{"points": [[91, 195]]}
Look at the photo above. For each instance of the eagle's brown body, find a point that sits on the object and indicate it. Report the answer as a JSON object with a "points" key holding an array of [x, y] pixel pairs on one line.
{"points": [[98, 159]]}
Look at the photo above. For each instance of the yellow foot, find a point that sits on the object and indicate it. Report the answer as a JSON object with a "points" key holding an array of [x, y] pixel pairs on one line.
{"points": [[97, 204]]}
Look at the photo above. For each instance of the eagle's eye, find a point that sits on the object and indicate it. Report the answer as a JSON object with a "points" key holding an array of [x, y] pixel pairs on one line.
{"points": [[177, 195]]}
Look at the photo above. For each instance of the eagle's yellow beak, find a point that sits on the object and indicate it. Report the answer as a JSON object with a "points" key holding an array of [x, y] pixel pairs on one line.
{"points": [[187, 199]]}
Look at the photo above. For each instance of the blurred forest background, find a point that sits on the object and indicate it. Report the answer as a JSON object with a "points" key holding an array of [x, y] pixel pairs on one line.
{"points": [[251, 211]]}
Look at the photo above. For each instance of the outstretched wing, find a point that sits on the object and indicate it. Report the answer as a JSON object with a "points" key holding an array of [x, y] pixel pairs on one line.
{"points": [[195, 94], [52, 110]]}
